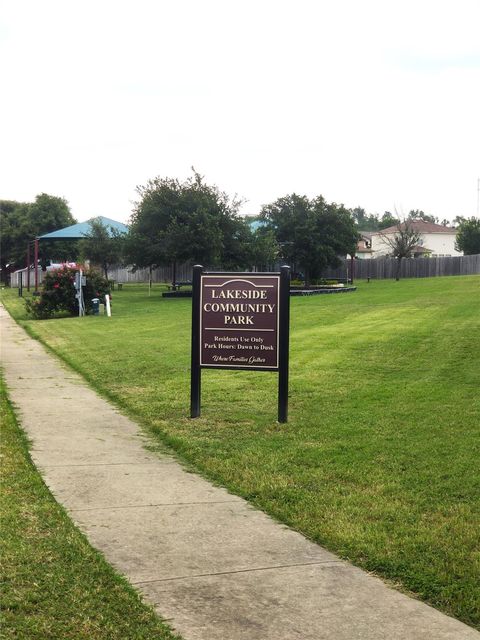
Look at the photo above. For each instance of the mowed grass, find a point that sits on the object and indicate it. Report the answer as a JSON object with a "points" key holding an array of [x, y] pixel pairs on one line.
{"points": [[379, 461], [54, 585]]}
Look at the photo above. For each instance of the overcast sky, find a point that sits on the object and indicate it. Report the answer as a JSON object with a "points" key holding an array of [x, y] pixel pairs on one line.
{"points": [[369, 103]]}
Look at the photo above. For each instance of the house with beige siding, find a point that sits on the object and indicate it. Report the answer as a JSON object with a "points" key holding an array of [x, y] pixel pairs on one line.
{"points": [[435, 240]]}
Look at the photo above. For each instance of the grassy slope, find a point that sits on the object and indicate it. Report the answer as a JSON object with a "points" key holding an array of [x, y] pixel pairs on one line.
{"points": [[379, 461], [54, 585]]}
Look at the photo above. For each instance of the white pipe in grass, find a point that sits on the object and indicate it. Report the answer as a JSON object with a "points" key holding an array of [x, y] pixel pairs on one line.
{"points": [[107, 305]]}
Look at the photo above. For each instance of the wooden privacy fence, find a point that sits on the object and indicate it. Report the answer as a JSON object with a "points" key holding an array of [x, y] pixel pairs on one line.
{"points": [[384, 268], [118, 274], [379, 268], [15, 277], [161, 274]]}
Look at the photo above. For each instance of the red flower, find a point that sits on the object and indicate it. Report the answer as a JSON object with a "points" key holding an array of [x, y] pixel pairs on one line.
{"points": [[56, 285]]}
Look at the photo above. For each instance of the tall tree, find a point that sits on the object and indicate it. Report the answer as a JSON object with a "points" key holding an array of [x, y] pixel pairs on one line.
{"points": [[468, 237], [388, 219], [21, 222], [264, 249], [12, 236], [50, 213], [311, 234], [102, 245], [417, 214], [365, 221], [139, 252], [177, 221], [402, 242], [237, 243]]}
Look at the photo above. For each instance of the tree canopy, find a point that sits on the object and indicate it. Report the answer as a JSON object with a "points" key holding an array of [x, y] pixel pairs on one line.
{"points": [[371, 221], [21, 222], [468, 236], [177, 221], [102, 245], [264, 248], [365, 221], [418, 214], [388, 219], [311, 234]]}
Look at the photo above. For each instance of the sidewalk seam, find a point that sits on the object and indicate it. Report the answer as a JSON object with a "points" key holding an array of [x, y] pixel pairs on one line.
{"points": [[159, 504], [105, 464], [227, 573]]}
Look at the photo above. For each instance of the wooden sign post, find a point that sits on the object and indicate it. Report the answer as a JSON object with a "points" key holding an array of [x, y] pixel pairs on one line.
{"points": [[240, 321]]}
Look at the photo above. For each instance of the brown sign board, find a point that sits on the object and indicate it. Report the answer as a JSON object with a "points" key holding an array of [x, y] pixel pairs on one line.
{"points": [[239, 321]]}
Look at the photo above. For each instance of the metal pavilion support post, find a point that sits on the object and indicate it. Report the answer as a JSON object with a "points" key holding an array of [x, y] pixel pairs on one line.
{"points": [[28, 266], [35, 293]]}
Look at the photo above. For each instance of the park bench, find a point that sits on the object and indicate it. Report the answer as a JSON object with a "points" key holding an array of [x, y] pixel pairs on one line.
{"points": [[178, 285], [343, 280]]}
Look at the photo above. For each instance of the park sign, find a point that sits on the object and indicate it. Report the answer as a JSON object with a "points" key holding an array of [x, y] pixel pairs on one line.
{"points": [[240, 321]]}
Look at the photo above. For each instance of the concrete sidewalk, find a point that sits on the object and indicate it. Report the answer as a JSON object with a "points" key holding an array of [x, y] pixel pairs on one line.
{"points": [[214, 567]]}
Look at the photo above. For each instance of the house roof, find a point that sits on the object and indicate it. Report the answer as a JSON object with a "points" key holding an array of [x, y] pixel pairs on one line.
{"points": [[419, 249], [420, 226], [80, 230]]}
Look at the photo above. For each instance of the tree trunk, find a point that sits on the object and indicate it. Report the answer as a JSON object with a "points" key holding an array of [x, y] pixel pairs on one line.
{"points": [[397, 270], [307, 279], [149, 279], [174, 275]]}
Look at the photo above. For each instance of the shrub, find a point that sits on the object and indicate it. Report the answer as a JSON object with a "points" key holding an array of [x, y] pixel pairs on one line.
{"points": [[323, 282], [58, 293]]}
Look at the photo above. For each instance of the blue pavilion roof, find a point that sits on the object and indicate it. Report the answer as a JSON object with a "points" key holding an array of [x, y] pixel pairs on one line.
{"points": [[80, 230]]}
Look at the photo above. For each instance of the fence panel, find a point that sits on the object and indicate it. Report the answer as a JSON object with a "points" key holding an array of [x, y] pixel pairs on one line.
{"points": [[384, 268], [376, 268]]}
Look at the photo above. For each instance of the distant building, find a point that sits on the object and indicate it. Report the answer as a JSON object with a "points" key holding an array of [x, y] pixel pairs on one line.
{"points": [[364, 245], [435, 240]]}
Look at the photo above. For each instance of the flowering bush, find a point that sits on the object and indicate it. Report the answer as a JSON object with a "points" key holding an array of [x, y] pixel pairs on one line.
{"points": [[58, 293]]}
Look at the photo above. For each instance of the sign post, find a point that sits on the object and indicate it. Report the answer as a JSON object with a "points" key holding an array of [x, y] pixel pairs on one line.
{"points": [[240, 321], [79, 283], [284, 339], [196, 379]]}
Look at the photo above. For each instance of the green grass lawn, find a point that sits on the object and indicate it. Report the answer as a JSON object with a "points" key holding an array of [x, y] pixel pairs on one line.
{"points": [[54, 585], [379, 461]]}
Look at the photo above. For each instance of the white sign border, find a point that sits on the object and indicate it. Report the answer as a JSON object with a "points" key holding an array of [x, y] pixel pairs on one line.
{"points": [[228, 279]]}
